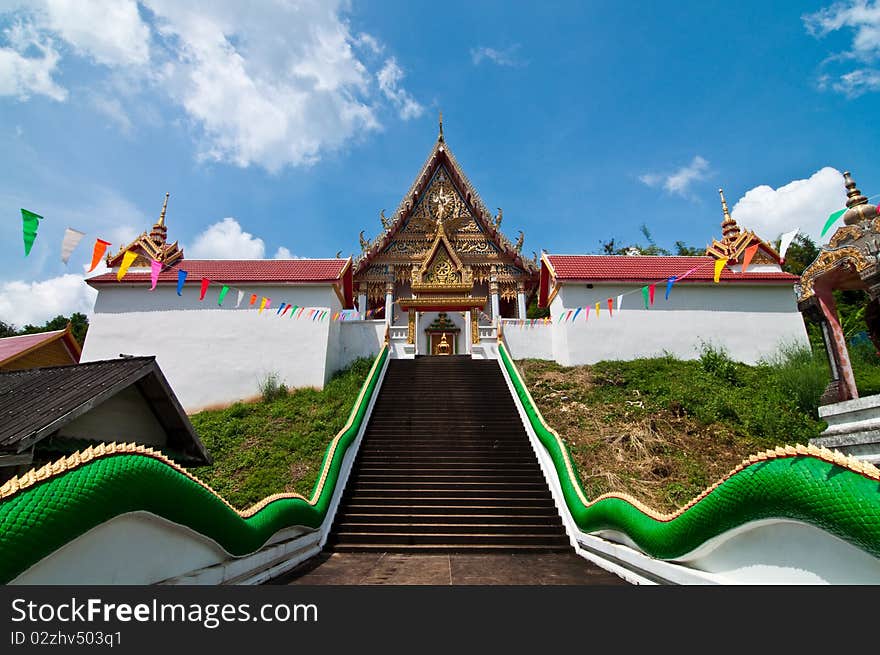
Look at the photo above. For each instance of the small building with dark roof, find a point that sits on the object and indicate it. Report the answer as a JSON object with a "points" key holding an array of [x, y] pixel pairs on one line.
{"points": [[49, 412], [56, 348]]}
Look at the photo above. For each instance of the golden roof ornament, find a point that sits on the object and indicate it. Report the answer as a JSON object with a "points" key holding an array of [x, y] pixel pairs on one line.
{"points": [[440, 136], [729, 228], [858, 208], [159, 233]]}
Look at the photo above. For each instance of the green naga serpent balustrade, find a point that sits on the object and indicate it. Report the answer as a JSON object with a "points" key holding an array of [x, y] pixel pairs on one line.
{"points": [[45, 509], [817, 486]]}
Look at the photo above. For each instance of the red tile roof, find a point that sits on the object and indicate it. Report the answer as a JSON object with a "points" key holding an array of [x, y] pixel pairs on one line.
{"points": [[240, 271], [642, 268], [13, 347]]}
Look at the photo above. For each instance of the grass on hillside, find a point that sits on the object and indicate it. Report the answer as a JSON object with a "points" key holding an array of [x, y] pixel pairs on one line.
{"points": [[276, 444], [664, 429]]}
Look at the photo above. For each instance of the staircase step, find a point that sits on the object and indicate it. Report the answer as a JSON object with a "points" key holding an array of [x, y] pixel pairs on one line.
{"points": [[446, 465]]}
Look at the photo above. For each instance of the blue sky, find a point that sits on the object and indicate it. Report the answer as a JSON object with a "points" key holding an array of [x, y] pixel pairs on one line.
{"points": [[292, 124]]}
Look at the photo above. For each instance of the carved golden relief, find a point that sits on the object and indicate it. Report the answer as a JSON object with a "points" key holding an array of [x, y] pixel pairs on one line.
{"points": [[845, 233], [442, 270], [828, 260]]}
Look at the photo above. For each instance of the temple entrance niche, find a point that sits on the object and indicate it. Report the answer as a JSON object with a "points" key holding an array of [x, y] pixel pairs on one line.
{"points": [[444, 334]]}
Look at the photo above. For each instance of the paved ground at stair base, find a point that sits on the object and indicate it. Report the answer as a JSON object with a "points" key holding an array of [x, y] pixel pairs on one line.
{"points": [[451, 569]]}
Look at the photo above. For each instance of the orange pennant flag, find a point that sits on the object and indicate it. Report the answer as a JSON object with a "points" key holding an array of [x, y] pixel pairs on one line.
{"points": [[747, 257], [127, 259], [98, 252], [719, 266]]}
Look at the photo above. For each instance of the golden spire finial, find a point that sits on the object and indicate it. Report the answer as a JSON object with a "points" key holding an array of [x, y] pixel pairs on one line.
{"points": [[724, 205], [440, 137], [164, 207], [729, 228]]}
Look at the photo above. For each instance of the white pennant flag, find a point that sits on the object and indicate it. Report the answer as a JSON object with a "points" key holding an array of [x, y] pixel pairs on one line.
{"points": [[240, 296], [619, 300], [787, 238], [71, 240]]}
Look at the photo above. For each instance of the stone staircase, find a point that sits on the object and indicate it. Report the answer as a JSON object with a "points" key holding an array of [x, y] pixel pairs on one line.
{"points": [[446, 466]]}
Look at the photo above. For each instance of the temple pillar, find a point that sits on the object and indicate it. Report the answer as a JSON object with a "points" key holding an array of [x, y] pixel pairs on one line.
{"points": [[493, 291], [521, 299], [835, 344], [362, 300], [475, 328], [411, 333], [389, 303]]}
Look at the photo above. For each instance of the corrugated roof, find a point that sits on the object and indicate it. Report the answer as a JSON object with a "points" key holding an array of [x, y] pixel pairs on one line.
{"points": [[35, 403], [240, 271], [644, 268]]}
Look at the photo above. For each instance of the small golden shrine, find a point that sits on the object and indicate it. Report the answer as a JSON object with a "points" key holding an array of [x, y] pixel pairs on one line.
{"points": [[735, 241], [443, 335], [850, 260], [152, 245]]}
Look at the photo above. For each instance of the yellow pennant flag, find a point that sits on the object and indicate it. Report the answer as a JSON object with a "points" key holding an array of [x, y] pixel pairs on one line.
{"points": [[262, 305], [719, 266], [597, 309], [127, 260]]}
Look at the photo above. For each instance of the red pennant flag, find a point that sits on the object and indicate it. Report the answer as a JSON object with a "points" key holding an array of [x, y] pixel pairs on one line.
{"points": [[747, 257], [651, 293], [205, 283], [610, 307], [98, 252]]}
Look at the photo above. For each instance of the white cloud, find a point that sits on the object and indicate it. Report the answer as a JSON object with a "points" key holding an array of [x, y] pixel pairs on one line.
{"points": [[284, 253], [23, 303], [226, 240], [112, 108], [680, 180], [110, 32], [505, 57], [271, 84], [389, 82], [22, 76], [863, 19], [803, 204]]}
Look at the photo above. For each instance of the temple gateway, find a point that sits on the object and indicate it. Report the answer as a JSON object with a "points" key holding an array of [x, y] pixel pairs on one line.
{"points": [[440, 279]]}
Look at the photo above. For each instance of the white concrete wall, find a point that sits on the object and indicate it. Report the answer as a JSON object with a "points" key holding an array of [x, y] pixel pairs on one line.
{"points": [[529, 341], [213, 355], [748, 321], [359, 339]]}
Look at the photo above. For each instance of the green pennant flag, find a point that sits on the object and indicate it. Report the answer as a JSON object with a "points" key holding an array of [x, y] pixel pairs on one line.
{"points": [[645, 296], [222, 295], [30, 222], [831, 220]]}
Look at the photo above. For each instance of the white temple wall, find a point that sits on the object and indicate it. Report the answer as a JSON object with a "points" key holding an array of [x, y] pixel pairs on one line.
{"points": [[750, 322], [528, 341], [212, 355], [359, 339]]}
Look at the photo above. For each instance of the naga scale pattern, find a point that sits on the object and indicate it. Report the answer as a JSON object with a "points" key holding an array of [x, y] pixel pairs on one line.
{"points": [[44, 509], [815, 485]]}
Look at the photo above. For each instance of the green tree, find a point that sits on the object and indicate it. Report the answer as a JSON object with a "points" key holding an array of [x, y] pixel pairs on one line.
{"points": [[79, 325], [801, 253]]}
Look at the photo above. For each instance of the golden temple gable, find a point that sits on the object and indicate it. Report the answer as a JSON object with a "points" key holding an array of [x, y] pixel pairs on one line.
{"points": [[443, 235], [734, 242], [151, 245]]}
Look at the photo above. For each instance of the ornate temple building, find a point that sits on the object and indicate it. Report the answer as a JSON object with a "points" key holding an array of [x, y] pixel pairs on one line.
{"points": [[443, 251], [439, 279]]}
